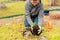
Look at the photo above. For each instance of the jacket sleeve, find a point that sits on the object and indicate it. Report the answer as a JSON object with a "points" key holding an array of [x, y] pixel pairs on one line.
{"points": [[40, 16], [27, 10]]}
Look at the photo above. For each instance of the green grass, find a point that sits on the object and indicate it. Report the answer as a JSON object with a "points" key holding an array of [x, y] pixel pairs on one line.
{"points": [[12, 8], [53, 34], [13, 32], [2, 0]]}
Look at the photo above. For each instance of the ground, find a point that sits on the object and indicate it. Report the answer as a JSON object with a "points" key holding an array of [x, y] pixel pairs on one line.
{"points": [[12, 28]]}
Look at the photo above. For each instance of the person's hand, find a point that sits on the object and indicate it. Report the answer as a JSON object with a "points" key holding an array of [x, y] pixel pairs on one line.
{"points": [[31, 27], [39, 31]]}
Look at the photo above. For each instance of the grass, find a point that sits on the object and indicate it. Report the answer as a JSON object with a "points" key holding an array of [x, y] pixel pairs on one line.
{"points": [[2, 0], [52, 34], [12, 8], [13, 32]]}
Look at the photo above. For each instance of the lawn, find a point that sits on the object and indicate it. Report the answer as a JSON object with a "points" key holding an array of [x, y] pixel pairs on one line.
{"points": [[12, 9], [14, 32]]}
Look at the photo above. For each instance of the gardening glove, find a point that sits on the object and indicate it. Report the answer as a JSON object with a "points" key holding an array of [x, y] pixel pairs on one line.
{"points": [[40, 29], [31, 27]]}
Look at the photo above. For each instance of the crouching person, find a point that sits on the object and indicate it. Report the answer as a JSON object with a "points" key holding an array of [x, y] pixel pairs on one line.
{"points": [[34, 14]]}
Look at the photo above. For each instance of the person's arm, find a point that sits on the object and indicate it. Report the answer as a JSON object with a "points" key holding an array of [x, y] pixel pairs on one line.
{"points": [[27, 10], [40, 16]]}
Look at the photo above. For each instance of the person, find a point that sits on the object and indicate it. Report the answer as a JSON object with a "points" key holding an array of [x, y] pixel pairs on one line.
{"points": [[34, 14]]}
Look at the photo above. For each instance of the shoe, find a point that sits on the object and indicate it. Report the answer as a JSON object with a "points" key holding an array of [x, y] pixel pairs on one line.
{"points": [[26, 33]]}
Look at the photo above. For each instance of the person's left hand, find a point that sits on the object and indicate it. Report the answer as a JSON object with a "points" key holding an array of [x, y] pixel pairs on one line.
{"points": [[39, 31]]}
